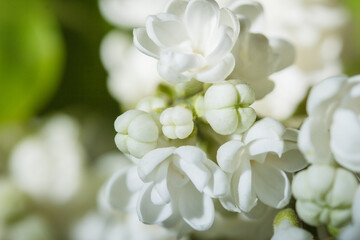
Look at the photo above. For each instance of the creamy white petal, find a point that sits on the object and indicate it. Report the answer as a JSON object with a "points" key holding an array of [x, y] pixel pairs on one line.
{"points": [[227, 18], [223, 46], [250, 9], [144, 44], [168, 73], [242, 187], [227, 157], [223, 121], [166, 30], [217, 72], [284, 51], [117, 193], [123, 121], [220, 95], [272, 186], [324, 91], [218, 184], [143, 128], [177, 7], [148, 212], [197, 209], [151, 161], [290, 161], [266, 128], [309, 212], [201, 18], [345, 139]]}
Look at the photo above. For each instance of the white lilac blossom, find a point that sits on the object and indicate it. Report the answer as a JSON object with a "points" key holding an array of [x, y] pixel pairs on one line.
{"points": [[192, 39], [32, 227], [324, 195], [226, 107], [150, 104], [256, 166], [126, 83], [177, 122], [286, 226], [332, 130], [179, 186], [352, 231], [49, 165], [137, 132]]}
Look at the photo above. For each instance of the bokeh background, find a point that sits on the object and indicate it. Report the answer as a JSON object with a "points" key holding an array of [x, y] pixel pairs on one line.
{"points": [[57, 112]]}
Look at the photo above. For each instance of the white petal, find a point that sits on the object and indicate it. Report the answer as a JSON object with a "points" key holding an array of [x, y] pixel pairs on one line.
{"points": [[144, 44], [350, 232], [300, 187], [242, 187], [324, 91], [139, 149], [345, 139], [151, 161], [247, 117], [177, 7], [201, 18], [249, 9], [313, 141], [266, 128], [165, 30], [271, 185], [227, 18], [197, 209], [309, 212], [123, 121], [191, 163], [290, 161], [117, 193], [284, 51], [183, 132], [223, 46], [160, 194], [218, 185], [220, 95], [217, 72], [150, 213], [223, 121], [143, 128], [227, 157], [261, 146]]}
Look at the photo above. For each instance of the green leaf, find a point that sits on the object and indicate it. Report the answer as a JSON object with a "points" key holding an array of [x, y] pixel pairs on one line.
{"points": [[31, 53]]}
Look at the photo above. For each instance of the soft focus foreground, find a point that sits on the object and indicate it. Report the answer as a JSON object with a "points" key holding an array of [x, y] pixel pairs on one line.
{"points": [[231, 119]]}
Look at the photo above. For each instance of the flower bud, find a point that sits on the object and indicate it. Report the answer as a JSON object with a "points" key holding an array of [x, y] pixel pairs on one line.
{"points": [[137, 133], [150, 104], [324, 195], [227, 107], [177, 122]]}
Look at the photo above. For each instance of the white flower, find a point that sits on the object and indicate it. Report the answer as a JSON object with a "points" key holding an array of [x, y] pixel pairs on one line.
{"points": [[286, 227], [192, 39], [256, 56], [32, 227], [256, 166], [126, 83], [226, 107], [177, 122], [352, 231], [179, 185], [332, 129], [324, 195], [49, 164], [138, 133], [150, 104], [129, 13]]}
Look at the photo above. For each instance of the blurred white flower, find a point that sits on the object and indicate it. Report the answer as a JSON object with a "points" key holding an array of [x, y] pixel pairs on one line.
{"points": [[179, 185], [226, 107], [352, 231], [257, 56], [177, 122], [256, 165], [192, 39], [332, 129], [130, 13], [324, 195], [49, 164], [33, 227], [286, 227], [315, 29], [13, 202], [150, 104], [94, 226], [126, 82], [137, 133]]}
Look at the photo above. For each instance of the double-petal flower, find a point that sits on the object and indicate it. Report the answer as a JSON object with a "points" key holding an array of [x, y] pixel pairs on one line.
{"points": [[192, 39], [256, 166]]}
